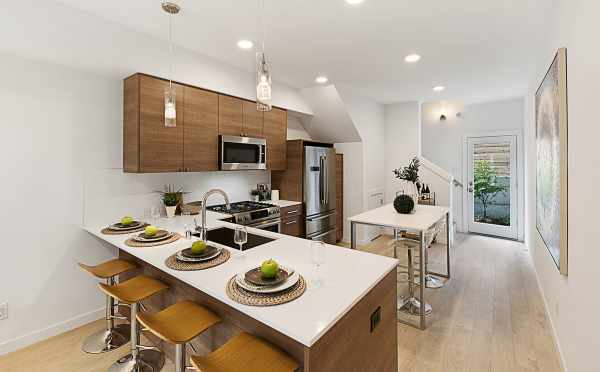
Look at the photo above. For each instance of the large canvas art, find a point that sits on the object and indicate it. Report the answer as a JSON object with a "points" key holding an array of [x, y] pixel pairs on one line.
{"points": [[551, 176]]}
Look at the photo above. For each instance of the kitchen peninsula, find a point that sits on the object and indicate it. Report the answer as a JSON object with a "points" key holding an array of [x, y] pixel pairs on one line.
{"points": [[348, 323]]}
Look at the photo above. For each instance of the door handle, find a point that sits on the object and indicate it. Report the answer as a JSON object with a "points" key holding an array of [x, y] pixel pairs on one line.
{"points": [[321, 217], [470, 189], [326, 177]]}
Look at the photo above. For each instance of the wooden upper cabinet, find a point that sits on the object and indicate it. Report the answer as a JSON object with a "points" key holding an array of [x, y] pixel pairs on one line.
{"points": [[231, 116], [201, 130], [193, 144], [253, 120], [161, 148], [275, 131]]}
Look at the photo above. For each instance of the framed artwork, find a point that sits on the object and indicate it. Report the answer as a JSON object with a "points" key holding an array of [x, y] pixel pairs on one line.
{"points": [[551, 171]]}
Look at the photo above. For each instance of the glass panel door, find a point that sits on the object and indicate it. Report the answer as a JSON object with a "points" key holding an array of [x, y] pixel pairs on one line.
{"points": [[492, 186]]}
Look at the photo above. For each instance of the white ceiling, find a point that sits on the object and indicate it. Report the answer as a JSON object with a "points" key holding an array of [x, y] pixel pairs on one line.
{"points": [[479, 49]]}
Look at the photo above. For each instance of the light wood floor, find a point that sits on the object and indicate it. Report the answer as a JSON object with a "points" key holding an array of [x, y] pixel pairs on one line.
{"points": [[489, 317]]}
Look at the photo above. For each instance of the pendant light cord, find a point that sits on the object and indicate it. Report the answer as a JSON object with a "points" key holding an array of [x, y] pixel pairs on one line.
{"points": [[170, 50], [264, 26]]}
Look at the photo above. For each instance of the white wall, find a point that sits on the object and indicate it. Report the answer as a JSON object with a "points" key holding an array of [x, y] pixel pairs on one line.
{"points": [[573, 300], [61, 141], [442, 142], [368, 118], [402, 142]]}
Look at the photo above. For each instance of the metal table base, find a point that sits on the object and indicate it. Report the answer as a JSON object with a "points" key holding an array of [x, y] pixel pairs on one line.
{"points": [[423, 308]]}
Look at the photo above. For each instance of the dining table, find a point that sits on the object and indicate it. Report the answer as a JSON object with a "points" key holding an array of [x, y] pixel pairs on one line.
{"points": [[419, 221]]}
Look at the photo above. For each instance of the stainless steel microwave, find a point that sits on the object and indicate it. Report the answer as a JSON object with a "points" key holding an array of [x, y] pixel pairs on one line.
{"points": [[242, 153]]}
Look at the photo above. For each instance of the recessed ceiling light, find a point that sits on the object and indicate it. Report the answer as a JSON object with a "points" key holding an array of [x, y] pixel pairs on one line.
{"points": [[245, 44], [321, 79], [438, 88], [354, 2], [412, 58]]}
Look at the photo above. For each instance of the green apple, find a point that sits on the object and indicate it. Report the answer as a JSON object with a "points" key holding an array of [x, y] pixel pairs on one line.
{"points": [[198, 247], [269, 269], [126, 221], [151, 230]]}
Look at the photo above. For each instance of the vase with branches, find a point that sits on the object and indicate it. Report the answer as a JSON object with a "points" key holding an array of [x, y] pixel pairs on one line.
{"points": [[410, 174]]}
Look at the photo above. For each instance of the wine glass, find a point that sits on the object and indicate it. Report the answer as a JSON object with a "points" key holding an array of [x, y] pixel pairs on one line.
{"points": [[240, 237], [317, 256], [155, 214], [185, 213]]}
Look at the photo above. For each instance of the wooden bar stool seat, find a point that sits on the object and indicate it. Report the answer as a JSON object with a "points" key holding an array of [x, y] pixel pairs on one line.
{"points": [[132, 291], [109, 269], [179, 324], [113, 335], [246, 353], [135, 289]]}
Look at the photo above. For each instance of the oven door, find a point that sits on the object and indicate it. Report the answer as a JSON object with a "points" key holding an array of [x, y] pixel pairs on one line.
{"points": [[270, 225], [239, 153]]}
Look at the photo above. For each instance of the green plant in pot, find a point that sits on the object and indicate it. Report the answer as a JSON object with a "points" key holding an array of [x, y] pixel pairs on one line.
{"points": [[172, 199], [409, 174]]}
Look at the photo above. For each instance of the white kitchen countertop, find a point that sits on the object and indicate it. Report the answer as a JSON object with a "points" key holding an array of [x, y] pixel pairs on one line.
{"points": [[348, 276], [422, 219]]}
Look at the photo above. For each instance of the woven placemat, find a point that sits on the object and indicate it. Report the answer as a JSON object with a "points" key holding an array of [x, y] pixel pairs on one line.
{"points": [[109, 231], [244, 297], [134, 243], [173, 263]]}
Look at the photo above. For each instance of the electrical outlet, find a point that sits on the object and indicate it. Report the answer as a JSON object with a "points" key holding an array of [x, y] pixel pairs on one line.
{"points": [[3, 311]]}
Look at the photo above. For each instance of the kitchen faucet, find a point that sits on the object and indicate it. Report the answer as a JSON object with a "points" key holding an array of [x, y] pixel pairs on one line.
{"points": [[204, 199]]}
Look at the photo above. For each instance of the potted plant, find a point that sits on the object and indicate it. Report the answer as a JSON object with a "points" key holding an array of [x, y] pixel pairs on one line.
{"points": [[172, 199], [410, 174]]}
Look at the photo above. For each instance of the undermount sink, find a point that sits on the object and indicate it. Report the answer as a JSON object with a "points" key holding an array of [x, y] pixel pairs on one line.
{"points": [[224, 236]]}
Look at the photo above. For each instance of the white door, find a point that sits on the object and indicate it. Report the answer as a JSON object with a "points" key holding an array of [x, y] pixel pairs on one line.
{"points": [[492, 185]]}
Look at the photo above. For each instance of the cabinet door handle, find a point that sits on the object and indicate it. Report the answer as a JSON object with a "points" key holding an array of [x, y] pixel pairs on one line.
{"points": [[292, 212], [291, 222]]}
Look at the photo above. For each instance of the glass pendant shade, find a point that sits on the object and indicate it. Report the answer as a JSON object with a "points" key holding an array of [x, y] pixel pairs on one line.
{"points": [[263, 83], [170, 107]]}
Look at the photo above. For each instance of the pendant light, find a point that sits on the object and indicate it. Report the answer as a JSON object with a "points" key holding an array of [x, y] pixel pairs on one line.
{"points": [[263, 73], [170, 94]]}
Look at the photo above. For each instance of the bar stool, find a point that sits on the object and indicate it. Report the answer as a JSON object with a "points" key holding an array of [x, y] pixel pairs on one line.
{"points": [[246, 353], [409, 304], [179, 324], [113, 336], [132, 291], [431, 281]]}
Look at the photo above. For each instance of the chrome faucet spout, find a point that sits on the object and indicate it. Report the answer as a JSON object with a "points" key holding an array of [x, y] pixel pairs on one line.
{"points": [[204, 200]]}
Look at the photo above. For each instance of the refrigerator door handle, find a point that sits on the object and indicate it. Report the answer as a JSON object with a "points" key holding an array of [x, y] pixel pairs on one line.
{"points": [[310, 219], [326, 178], [321, 180], [323, 234]]}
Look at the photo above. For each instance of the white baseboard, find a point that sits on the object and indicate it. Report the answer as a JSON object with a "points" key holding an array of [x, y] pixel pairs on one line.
{"points": [[53, 330], [554, 334]]}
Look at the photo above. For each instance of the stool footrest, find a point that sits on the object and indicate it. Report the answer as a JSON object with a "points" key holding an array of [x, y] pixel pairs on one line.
{"points": [[146, 347]]}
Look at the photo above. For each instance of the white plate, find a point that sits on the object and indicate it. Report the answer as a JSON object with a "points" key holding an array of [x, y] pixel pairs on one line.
{"points": [[181, 257], [115, 226], [138, 238], [289, 283]]}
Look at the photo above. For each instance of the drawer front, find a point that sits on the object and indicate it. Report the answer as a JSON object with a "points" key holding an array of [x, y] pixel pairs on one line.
{"points": [[320, 223], [292, 226], [293, 211]]}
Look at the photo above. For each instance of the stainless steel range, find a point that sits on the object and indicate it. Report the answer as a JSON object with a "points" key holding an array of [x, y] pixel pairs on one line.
{"points": [[259, 215]]}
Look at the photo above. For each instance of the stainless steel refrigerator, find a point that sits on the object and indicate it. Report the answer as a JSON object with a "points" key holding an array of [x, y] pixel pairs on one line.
{"points": [[319, 193]]}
